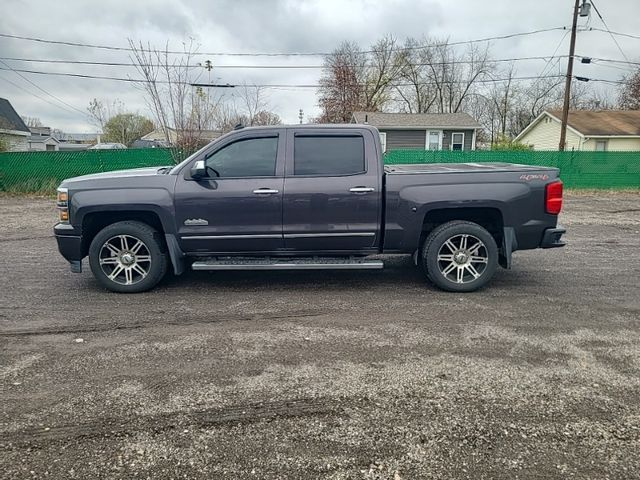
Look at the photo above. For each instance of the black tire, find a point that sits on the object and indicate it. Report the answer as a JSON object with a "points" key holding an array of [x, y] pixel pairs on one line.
{"points": [[475, 273], [152, 250]]}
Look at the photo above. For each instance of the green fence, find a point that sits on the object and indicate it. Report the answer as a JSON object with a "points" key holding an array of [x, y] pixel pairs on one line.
{"points": [[43, 171], [615, 170]]}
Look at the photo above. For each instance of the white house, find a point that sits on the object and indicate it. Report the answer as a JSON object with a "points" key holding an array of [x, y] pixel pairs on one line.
{"points": [[598, 130]]}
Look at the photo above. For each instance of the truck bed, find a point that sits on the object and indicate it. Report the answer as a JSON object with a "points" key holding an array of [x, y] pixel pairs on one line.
{"points": [[460, 168]]}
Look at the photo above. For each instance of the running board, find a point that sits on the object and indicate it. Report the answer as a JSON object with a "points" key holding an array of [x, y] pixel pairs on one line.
{"points": [[275, 263]]}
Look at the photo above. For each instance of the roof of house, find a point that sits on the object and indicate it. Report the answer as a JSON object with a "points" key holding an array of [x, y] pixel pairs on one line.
{"points": [[42, 139], [602, 122], [159, 135], [416, 120], [77, 137], [9, 118]]}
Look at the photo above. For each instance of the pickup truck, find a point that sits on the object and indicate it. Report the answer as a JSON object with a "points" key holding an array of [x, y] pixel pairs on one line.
{"points": [[305, 197]]}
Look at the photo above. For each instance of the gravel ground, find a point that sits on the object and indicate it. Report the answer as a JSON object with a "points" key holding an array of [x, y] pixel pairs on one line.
{"points": [[325, 375]]}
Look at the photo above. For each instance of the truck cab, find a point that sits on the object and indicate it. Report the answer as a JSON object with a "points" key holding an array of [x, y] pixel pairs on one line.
{"points": [[277, 190]]}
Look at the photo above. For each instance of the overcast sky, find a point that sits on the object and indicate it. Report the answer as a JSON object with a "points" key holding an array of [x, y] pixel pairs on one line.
{"points": [[252, 26]]}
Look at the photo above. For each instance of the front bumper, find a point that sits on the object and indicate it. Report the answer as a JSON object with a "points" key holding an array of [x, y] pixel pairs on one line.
{"points": [[552, 238], [69, 244]]}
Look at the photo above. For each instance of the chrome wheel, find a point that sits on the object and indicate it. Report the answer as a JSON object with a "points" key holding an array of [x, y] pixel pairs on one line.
{"points": [[125, 259], [462, 258]]}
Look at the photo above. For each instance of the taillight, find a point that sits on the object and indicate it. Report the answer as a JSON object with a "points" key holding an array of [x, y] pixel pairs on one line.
{"points": [[553, 198]]}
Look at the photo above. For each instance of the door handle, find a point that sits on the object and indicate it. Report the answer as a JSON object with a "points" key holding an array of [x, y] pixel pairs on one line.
{"points": [[361, 189], [265, 191]]}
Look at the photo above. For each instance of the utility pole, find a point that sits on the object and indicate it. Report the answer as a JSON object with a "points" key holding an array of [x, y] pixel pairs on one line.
{"points": [[567, 86]]}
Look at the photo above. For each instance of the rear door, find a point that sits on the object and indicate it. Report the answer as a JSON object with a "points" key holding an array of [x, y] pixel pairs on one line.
{"points": [[333, 192]]}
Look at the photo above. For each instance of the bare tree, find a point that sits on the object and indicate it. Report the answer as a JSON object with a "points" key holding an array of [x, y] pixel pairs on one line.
{"points": [[436, 78], [101, 111], [32, 122], [629, 95], [252, 100], [341, 91], [167, 83], [415, 91], [250, 107], [380, 72]]}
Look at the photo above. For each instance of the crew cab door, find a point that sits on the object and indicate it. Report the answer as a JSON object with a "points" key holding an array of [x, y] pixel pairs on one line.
{"points": [[333, 192], [238, 206]]}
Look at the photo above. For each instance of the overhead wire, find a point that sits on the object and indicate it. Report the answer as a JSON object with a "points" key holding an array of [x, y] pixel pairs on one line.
{"points": [[17, 72], [270, 54], [609, 31]]}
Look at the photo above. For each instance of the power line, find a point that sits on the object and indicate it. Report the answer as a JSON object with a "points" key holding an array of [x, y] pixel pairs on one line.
{"points": [[266, 54], [615, 82], [544, 70], [129, 64], [17, 72], [610, 60], [609, 31], [35, 95], [619, 34], [315, 85]]}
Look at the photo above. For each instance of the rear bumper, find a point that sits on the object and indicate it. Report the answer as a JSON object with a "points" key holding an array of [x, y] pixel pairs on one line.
{"points": [[69, 242], [552, 238]]}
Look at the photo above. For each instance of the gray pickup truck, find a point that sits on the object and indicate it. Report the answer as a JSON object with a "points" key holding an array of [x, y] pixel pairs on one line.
{"points": [[305, 197]]}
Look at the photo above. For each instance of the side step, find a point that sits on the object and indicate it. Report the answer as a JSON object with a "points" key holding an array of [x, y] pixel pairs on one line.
{"points": [[287, 263]]}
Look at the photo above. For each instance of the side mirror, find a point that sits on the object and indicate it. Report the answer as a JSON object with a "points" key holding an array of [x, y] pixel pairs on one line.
{"points": [[198, 170]]}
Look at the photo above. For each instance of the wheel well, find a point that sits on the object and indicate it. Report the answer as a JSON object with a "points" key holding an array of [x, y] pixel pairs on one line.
{"points": [[92, 223], [489, 218]]}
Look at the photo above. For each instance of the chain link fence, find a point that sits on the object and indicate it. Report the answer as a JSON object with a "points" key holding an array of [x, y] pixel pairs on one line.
{"points": [[42, 172], [601, 170]]}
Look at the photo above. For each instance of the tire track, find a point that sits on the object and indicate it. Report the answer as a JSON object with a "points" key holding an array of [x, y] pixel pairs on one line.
{"points": [[208, 418], [106, 327], [22, 239]]}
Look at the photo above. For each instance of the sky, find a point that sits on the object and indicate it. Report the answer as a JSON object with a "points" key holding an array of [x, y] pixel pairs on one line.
{"points": [[275, 26]]}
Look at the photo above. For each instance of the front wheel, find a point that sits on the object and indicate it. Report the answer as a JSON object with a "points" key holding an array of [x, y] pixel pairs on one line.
{"points": [[128, 257], [460, 256]]}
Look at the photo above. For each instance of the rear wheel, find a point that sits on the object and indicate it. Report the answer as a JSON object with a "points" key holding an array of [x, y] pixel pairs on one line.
{"points": [[128, 257], [460, 256]]}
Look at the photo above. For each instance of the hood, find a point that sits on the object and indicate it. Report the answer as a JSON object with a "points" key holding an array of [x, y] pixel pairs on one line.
{"points": [[114, 175]]}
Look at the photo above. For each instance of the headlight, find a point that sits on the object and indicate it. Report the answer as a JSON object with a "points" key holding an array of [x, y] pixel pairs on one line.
{"points": [[62, 203]]}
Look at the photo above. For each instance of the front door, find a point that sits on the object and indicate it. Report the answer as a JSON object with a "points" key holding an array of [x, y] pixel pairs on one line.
{"points": [[238, 206], [332, 194]]}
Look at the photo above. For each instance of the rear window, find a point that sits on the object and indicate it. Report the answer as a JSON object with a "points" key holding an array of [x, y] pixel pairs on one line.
{"points": [[328, 155]]}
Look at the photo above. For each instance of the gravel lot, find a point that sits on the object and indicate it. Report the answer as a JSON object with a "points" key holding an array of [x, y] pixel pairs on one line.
{"points": [[325, 375]]}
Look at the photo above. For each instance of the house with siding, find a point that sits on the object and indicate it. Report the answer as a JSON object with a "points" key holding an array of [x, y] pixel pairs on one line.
{"points": [[41, 140], [422, 131], [598, 130], [13, 130], [42, 143]]}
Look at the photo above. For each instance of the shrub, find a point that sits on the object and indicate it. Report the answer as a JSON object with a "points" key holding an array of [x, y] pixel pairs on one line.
{"points": [[505, 143]]}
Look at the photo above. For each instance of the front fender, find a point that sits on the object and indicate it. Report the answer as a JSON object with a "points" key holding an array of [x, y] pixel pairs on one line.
{"points": [[155, 200]]}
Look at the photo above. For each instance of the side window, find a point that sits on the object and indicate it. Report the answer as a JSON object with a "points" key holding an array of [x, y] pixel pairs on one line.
{"points": [[328, 155], [252, 157]]}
